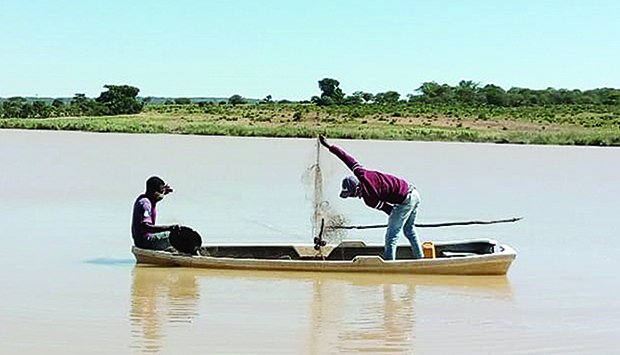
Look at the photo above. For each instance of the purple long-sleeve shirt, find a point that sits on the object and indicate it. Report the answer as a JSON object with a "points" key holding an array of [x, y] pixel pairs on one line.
{"points": [[144, 210], [379, 190]]}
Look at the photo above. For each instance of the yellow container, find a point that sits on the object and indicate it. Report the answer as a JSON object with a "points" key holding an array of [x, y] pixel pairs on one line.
{"points": [[428, 250]]}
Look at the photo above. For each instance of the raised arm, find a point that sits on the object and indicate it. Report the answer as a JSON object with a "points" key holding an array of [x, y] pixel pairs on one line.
{"points": [[348, 160]]}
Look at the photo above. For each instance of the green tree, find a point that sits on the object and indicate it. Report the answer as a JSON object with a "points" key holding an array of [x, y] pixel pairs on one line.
{"points": [[58, 108], [41, 110], [323, 100], [386, 98], [353, 100], [368, 97], [567, 97], [467, 92], [267, 100], [331, 93], [365, 97], [521, 97], [83, 106], [494, 95], [58, 103], [12, 107], [606, 96], [431, 92], [120, 99], [236, 100], [26, 110]]}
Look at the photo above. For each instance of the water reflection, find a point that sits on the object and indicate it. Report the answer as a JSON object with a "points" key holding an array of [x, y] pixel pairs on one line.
{"points": [[388, 323], [160, 297], [384, 313], [344, 312]]}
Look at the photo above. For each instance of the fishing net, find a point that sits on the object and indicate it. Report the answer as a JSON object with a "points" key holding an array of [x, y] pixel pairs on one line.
{"points": [[322, 210]]}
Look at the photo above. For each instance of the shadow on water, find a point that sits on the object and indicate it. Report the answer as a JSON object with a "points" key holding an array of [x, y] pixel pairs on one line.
{"points": [[110, 261], [348, 312]]}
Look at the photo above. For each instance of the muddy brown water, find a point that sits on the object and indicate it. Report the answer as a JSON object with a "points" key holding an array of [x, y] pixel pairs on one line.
{"points": [[70, 284]]}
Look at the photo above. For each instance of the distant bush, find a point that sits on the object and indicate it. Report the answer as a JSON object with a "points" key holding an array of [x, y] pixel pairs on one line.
{"points": [[182, 101]]}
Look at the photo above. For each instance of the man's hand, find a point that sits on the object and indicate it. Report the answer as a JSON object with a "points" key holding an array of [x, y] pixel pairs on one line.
{"points": [[324, 142], [167, 189], [175, 228]]}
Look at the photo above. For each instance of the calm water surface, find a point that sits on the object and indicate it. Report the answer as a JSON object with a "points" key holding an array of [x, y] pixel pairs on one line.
{"points": [[70, 284]]}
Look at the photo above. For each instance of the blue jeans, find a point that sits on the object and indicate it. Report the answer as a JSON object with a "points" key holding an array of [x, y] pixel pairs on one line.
{"points": [[154, 241], [403, 217]]}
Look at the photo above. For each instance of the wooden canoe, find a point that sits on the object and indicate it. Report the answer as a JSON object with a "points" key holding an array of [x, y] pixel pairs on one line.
{"points": [[468, 257]]}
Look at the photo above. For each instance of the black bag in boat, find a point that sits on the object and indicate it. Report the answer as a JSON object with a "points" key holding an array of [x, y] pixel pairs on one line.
{"points": [[186, 240]]}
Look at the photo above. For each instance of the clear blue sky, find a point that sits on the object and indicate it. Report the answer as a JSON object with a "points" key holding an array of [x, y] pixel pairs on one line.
{"points": [[283, 47]]}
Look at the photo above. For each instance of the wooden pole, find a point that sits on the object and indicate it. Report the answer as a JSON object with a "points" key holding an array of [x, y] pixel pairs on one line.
{"points": [[433, 225]]}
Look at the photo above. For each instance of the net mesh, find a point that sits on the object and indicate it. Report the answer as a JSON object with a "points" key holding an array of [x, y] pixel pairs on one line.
{"points": [[322, 209]]}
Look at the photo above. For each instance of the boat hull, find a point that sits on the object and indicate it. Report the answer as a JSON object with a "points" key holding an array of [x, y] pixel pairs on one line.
{"points": [[495, 262]]}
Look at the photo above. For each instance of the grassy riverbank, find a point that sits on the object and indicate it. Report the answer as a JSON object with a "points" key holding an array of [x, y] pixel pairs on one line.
{"points": [[564, 125]]}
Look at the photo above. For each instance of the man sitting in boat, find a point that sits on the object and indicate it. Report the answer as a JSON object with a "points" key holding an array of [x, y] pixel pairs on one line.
{"points": [[146, 234], [385, 192]]}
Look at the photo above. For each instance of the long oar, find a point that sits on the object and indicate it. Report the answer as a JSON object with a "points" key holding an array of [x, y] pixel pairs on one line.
{"points": [[432, 225]]}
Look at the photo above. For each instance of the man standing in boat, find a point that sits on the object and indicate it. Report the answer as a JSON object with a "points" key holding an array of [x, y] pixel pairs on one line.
{"points": [[146, 234], [388, 193]]}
